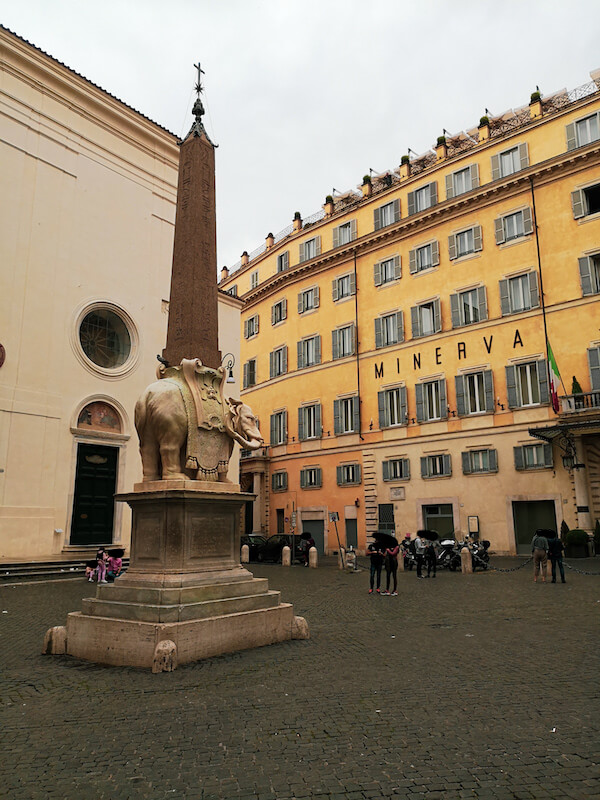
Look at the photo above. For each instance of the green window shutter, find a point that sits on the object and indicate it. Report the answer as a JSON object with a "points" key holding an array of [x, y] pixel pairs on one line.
{"points": [[477, 239], [488, 386], [433, 193], [377, 219], [317, 349], [385, 466], [337, 421], [377, 273], [285, 480], [452, 247], [527, 221], [419, 402], [245, 378], [358, 473], [406, 468], [411, 203], [437, 316], [335, 344], [284, 359], [300, 303], [499, 230], [533, 290], [356, 414], [482, 303], [383, 422], [273, 435], [301, 257], [318, 245], [455, 311], [571, 136], [585, 275], [316, 296], [352, 283], [424, 467], [519, 458], [284, 308], [447, 459], [273, 480], [403, 406], [495, 167], [271, 365], [246, 335], [400, 325], [300, 424], [493, 460], [336, 237], [504, 298], [334, 289], [511, 386], [459, 383], [354, 339], [594, 363], [542, 371], [415, 322], [378, 333], [300, 355], [397, 267], [286, 263], [449, 187], [396, 210], [303, 479], [435, 253], [443, 400], [466, 463], [339, 474], [256, 323], [353, 230], [548, 460], [319, 476], [577, 204], [318, 422], [524, 155], [474, 175], [285, 430], [412, 261], [273, 314]]}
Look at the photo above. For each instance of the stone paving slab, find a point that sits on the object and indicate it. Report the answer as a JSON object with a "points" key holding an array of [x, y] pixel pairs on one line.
{"points": [[483, 686]]}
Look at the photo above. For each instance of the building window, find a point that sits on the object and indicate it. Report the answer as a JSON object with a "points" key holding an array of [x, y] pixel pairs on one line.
{"points": [[468, 307], [392, 407], [422, 199], [396, 469], [278, 362], [254, 279], [474, 393], [533, 456], [283, 261], [436, 466], [510, 161], [389, 329], [279, 311], [478, 461], [279, 427], [589, 274], [385, 517], [513, 226], [249, 376], [344, 286], [586, 201], [583, 131], [251, 327], [344, 234], [308, 299], [527, 384], [431, 400], [311, 478], [106, 337], [343, 342], [462, 181], [386, 215], [465, 242], [310, 249], [519, 293], [346, 415], [309, 352], [348, 474], [233, 290], [279, 481], [424, 257], [426, 318], [388, 270], [309, 422]]}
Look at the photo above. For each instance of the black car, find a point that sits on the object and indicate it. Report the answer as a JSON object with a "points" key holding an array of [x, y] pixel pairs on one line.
{"points": [[263, 549], [255, 542]]}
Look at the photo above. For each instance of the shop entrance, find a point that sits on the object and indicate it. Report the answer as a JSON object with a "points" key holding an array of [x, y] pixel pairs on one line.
{"points": [[439, 518], [528, 516], [93, 501]]}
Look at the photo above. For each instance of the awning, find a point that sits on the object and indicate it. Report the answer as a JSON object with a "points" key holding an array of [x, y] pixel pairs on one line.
{"points": [[553, 432]]}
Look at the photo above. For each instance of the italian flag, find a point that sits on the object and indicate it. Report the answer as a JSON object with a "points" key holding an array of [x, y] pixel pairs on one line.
{"points": [[554, 379]]}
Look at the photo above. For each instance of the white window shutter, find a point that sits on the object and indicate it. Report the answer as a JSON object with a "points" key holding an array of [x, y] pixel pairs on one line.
{"points": [[474, 175], [523, 155], [449, 187]]}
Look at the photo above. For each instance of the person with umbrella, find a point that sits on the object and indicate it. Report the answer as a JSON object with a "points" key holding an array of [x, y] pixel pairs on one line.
{"points": [[392, 549], [375, 550], [555, 551], [430, 555]]}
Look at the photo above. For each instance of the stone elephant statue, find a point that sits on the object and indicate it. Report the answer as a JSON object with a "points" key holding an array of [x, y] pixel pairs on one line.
{"points": [[162, 423]]}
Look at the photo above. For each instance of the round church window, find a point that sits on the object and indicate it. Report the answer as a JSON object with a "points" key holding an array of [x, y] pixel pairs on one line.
{"points": [[105, 338]]}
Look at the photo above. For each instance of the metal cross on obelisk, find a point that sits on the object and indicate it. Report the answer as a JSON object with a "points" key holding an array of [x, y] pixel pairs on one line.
{"points": [[193, 329]]}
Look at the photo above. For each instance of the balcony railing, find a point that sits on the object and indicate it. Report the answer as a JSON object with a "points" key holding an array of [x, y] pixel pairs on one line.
{"points": [[573, 403]]}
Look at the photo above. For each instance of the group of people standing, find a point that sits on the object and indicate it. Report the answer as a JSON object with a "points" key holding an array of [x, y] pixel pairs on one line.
{"points": [[384, 552], [544, 544], [106, 565]]}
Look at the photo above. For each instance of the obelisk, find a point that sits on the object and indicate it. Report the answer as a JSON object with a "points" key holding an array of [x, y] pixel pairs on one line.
{"points": [[193, 325]]}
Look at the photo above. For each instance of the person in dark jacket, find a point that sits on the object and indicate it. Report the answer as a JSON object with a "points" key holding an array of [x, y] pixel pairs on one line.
{"points": [[375, 550], [555, 551]]}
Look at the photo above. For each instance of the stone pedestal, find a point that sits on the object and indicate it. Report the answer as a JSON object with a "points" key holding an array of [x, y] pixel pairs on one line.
{"points": [[185, 585]]}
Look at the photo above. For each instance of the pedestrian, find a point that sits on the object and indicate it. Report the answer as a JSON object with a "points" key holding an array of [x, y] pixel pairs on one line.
{"points": [[430, 559], [90, 569], [115, 565], [308, 542], [376, 551], [391, 568], [101, 559], [555, 551], [420, 547], [539, 550]]}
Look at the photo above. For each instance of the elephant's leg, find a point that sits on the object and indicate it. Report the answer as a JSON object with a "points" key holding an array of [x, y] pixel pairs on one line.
{"points": [[150, 460], [171, 461]]}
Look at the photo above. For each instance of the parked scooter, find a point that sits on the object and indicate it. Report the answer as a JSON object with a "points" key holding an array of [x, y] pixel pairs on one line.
{"points": [[407, 551], [448, 556], [479, 554]]}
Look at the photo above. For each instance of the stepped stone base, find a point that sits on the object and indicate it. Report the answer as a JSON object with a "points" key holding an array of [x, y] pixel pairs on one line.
{"points": [[185, 596]]}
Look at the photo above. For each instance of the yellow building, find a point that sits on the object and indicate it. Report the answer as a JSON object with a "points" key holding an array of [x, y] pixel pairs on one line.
{"points": [[87, 213], [394, 344]]}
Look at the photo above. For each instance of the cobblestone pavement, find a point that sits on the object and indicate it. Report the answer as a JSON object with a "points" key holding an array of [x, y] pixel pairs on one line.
{"points": [[483, 686]]}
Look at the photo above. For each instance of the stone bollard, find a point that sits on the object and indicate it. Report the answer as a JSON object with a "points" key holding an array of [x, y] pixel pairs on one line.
{"points": [[55, 641], [466, 561], [342, 558], [245, 556], [286, 556], [165, 657], [300, 628], [313, 558]]}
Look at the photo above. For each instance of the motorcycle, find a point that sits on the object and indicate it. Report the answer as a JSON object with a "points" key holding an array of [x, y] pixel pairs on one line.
{"points": [[408, 555], [448, 556], [479, 554]]}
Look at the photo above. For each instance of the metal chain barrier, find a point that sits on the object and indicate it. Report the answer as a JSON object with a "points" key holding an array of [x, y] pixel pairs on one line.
{"points": [[580, 571], [509, 569]]}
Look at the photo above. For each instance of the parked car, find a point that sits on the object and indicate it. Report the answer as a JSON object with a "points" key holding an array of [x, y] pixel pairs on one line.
{"points": [[254, 542], [263, 549]]}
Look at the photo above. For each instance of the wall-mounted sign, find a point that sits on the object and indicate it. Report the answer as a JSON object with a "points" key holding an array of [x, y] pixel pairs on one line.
{"points": [[397, 493]]}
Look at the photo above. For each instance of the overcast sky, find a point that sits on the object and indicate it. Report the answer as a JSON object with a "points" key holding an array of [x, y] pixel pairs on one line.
{"points": [[304, 96]]}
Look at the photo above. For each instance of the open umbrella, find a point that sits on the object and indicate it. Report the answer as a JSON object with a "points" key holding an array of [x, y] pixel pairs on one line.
{"points": [[385, 539], [432, 536]]}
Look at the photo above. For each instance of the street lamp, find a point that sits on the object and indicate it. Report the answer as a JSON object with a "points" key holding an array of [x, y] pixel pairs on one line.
{"points": [[229, 366]]}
